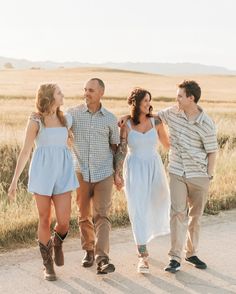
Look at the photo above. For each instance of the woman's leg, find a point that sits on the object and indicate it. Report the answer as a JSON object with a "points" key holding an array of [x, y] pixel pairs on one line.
{"points": [[142, 250], [44, 211], [143, 266], [45, 243], [62, 204]]}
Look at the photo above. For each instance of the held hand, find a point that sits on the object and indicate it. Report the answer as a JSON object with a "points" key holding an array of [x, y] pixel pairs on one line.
{"points": [[119, 182], [12, 191]]}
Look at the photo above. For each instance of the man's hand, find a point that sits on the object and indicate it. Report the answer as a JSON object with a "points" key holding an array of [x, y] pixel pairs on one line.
{"points": [[122, 121]]}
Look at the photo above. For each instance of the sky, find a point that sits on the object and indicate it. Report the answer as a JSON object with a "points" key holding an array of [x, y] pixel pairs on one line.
{"points": [[97, 31]]}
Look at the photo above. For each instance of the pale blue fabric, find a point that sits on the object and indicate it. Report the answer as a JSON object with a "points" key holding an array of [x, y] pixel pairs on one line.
{"points": [[51, 169], [146, 187]]}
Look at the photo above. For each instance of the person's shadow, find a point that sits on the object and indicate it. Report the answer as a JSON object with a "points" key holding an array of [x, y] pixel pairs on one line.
{"points": [[203, 286]]}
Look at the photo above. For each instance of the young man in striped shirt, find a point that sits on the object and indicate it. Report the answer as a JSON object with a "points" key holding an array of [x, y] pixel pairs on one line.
{"points": [[191, 164]]}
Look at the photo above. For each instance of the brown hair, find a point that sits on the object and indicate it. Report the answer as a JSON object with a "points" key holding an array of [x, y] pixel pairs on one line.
{"points": [[134, 100], [44, 101], [191, 88]]}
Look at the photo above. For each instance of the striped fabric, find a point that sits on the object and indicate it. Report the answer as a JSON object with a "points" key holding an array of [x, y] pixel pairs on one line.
{"points": [[93, 135], [191, 141]]}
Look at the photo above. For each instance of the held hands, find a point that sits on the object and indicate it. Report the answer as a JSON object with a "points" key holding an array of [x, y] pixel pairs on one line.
{"points": [[12, 191], [119, 182]]}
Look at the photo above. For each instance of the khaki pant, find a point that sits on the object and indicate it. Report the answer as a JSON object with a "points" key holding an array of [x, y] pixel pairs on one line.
{"points": [[94, 202], [188, 199]]}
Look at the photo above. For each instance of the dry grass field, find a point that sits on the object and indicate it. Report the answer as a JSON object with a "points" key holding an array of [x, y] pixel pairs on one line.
{"points": [[18, 221], [118, 82]]}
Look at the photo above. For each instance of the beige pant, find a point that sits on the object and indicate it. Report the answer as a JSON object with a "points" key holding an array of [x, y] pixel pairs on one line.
{"points": [[188, 199], [94, 202]]}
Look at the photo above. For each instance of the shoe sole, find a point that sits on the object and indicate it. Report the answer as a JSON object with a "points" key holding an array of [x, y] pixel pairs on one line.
{"points": [[48, 278], [143, 270], [195, 265], [106, 270], [172, 270], [87, 264]]}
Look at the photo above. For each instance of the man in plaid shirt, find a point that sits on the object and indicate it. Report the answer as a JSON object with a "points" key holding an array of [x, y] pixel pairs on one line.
{"points": [[96, 136]]}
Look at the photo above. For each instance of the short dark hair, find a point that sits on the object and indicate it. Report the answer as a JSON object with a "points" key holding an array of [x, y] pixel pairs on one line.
{"points": [[191, 88], [134, 100], [100, 82]]}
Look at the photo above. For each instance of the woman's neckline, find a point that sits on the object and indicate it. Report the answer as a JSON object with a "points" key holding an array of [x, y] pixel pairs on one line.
{"points": [[143, 133]]}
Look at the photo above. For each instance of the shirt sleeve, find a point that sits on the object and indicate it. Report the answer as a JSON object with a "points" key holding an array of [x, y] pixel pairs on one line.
{"points": [[114, 135], [164, 115], [69, 119], [210, 140]]}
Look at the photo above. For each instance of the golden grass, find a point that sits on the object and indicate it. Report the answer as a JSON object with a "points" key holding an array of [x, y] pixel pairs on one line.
{"points": [[14, 114], [18, 221], [118, 82]]}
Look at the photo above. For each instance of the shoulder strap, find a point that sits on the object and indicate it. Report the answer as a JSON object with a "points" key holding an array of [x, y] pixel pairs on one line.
{"points": [[129, 124], [152, 121]]}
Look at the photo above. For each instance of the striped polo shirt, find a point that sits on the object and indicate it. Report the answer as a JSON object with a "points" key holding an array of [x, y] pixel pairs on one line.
{"points": [[93, 135], [190, 142]]}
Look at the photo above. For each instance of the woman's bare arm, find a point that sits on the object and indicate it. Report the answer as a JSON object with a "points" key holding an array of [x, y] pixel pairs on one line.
{"points": [[31, 133]]}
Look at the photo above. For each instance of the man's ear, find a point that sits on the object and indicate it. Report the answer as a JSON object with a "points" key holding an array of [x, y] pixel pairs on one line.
{"points": [[102, 91], [191, 97]]}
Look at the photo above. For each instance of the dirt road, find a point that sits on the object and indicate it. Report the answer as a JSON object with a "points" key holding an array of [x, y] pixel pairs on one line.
{"points": [[21, 270]]}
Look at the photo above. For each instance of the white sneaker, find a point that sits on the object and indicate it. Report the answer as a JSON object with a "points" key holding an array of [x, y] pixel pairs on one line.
{"points": [[143, 267]]}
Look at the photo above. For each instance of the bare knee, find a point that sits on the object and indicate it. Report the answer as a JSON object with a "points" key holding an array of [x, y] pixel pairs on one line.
{"points": [[62, 226], [44, 222]]}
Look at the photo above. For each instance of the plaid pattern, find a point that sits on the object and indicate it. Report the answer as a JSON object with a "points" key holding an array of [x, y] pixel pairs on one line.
{"points": [[93, 135], [191, 141]]}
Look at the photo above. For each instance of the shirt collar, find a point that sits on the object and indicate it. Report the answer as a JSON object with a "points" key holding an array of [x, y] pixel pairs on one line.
{"points": [[101, 110], [198, 120]]}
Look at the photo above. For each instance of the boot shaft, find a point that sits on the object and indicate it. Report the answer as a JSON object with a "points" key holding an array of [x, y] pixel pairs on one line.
{"points": [[58, 253], [46, 252]]}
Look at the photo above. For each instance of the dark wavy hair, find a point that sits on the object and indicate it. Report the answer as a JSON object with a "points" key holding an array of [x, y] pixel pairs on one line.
{"points": [[134, 100]]}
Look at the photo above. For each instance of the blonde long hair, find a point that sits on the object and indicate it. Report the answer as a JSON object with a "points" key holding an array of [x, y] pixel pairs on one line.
{"points": [[44, 102]]}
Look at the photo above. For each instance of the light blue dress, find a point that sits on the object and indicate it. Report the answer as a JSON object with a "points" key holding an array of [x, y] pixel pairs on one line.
{"points": [[146, 186], [51, 169]]}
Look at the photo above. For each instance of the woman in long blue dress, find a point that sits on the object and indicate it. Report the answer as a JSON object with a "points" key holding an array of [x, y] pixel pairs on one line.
{"points": [[51, 173], [145, 182]]}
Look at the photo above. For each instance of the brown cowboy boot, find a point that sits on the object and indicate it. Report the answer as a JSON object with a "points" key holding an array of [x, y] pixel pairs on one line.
{"points": [[88, 259], [46, 252], [57, 244]]}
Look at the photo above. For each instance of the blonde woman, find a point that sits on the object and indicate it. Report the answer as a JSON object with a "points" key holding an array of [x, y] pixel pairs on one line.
{"points": [[51, 173]]}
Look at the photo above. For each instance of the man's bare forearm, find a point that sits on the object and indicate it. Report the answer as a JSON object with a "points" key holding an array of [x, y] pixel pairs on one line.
{"points": [[211, 163]]}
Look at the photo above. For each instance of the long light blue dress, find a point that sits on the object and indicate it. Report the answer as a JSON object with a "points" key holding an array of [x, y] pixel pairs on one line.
{"points": [[146, 186], [51, 169]]}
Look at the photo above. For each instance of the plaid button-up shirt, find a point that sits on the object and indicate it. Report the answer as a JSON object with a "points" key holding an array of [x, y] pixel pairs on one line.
{"points": [[191, 141], [93, 135]]}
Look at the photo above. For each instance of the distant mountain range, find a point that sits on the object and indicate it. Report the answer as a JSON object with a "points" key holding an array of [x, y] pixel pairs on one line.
{"points": [[148, 67]]}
